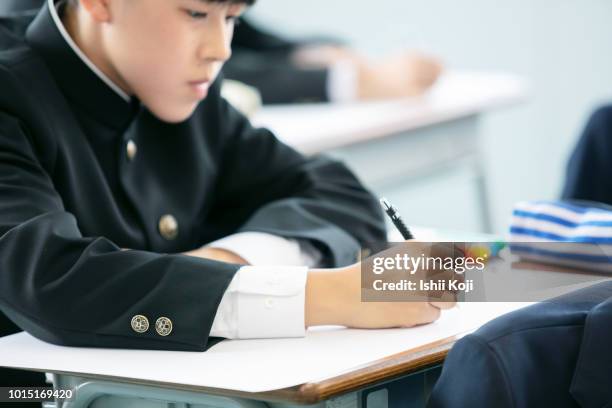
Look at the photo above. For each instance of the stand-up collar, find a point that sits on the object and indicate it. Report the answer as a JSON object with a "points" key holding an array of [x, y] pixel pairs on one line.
{"points": [[80, 81]]}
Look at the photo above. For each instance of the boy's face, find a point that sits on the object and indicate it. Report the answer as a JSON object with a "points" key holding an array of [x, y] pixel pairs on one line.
{"points": [[168, 52]]}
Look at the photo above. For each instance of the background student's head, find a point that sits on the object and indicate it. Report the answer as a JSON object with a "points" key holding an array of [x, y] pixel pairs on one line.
{"points": [[165, 52]]}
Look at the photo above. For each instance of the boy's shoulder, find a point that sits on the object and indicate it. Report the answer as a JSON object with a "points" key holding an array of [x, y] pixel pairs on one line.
{"points": [[15, 53], [29, 94], [21, 68], [13, 28]]}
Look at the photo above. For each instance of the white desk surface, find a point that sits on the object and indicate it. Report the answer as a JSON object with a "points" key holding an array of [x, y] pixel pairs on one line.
{"points": [[249, 365], [312, 128]]}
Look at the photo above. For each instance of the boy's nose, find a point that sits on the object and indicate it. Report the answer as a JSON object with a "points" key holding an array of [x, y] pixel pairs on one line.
{"points": [[216, 45]]}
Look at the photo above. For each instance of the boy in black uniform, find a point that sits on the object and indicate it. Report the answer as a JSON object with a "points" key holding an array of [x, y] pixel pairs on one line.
{"points": [[140, 210]]}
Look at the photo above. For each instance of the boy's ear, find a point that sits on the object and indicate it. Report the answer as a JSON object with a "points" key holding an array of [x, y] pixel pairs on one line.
{"points": [[99, 10]]}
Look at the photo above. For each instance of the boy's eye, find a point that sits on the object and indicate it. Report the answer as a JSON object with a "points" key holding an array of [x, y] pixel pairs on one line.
{"points": [[197, 15]]}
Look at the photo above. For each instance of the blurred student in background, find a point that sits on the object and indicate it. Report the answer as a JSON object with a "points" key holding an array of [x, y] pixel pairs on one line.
{"points": [[323, 70], [589, 171]]}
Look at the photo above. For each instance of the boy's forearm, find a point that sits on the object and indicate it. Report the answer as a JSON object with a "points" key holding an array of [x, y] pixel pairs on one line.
{"points": [[217, 254]]}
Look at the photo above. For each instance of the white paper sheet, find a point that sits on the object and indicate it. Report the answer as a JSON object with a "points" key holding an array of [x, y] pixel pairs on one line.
{"points": [[250, 365]]}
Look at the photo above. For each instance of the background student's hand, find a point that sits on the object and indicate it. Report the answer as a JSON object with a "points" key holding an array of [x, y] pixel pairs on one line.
{"points": [[402, 75], [333, 297], [217, 254]]}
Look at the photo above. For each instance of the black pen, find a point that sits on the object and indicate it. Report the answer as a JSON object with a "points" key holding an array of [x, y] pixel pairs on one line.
{"points": [[396, 219]]}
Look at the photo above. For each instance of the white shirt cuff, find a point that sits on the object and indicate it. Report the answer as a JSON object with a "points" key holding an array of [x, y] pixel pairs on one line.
{"points": [[342, 82], [263, 302]]}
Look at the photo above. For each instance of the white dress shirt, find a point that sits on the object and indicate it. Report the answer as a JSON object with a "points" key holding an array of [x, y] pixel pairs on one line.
{"points": [[342, 82], [265, 299]]}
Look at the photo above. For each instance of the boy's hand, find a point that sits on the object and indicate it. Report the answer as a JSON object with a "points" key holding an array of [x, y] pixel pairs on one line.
{"points": [[333, 297]]}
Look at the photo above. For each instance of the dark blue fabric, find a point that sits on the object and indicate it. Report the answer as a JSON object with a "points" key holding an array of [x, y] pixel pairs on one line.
{"points": [[552, 354], [589, 172], [592, 383]]}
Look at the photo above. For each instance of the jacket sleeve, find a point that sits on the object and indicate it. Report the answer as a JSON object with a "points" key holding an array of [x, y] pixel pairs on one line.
{"points": [[276, 78], [472, 376], [248, 35], [263, 60], [266, 186], [75, 290]]}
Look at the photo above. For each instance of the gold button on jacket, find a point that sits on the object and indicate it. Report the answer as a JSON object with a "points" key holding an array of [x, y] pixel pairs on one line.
{"points": [[140, 324], [163, 326], [131, 149], [168, 227]]}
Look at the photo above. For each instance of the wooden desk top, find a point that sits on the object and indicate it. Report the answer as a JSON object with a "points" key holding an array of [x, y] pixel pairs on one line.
{"points": [[383, 370], [367, 375]]}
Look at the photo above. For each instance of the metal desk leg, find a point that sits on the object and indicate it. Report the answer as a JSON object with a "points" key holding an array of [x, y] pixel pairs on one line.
{"points": [[407, 392]]}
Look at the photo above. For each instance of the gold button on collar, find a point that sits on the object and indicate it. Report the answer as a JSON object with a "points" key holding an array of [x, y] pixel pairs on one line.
{"points": [[131, 149], [140, 324], [163, 326], [168, 227]]}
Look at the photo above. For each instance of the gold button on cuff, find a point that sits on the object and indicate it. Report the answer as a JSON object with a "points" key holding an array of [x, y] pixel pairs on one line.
{"points": [[131, 149], [163, 326], [140, 324], [168, 227]]}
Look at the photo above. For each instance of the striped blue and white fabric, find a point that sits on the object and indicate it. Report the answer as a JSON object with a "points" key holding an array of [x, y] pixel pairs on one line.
{"points": [[563, 233]]}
